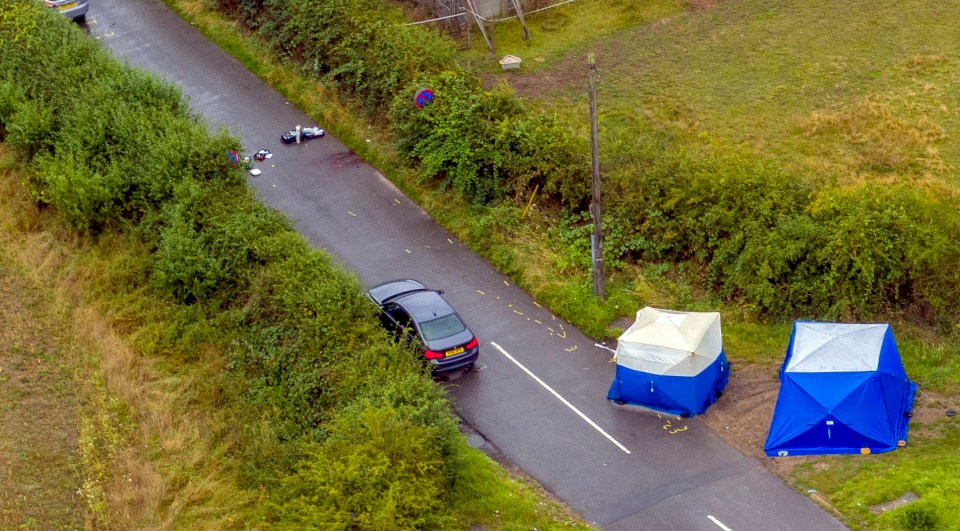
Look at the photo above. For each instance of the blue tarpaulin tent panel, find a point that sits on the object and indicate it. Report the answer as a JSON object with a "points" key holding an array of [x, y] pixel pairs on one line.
{"points": [[843, 390], [678, 395]]}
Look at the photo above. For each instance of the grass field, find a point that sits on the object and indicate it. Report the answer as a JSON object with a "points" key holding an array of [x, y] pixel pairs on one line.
{"points": [[853, 90]]}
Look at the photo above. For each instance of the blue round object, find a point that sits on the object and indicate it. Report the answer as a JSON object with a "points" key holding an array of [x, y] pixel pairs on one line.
{"points": [[423, 98]]}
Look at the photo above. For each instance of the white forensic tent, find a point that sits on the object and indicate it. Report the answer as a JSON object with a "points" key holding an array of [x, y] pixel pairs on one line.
{"points": [[671, 361]]}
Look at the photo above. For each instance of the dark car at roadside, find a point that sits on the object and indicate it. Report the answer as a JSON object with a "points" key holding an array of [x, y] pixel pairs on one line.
{"points": [[421, 316]]}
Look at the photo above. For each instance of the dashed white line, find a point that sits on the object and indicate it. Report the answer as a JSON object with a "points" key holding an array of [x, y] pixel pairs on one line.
{"points": [[560, 398]]}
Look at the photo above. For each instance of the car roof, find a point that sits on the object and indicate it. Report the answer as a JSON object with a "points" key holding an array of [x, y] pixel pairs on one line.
{"points": [[387, 291], [424, 305]]}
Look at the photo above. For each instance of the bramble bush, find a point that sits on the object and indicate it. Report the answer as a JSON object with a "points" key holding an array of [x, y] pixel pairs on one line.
{"points": [[376, 454], [104, 142]]}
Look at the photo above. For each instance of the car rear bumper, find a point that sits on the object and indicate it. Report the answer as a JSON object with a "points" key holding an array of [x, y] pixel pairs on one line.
{"points": [[76, 11], [457, 362]]}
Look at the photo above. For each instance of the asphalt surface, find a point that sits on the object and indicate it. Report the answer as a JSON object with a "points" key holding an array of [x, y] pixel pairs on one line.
{"points": [[538, 398]]}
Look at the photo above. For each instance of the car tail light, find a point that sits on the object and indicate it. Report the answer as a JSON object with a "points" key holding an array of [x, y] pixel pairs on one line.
{"points": [[433, 355], [473, 343]]}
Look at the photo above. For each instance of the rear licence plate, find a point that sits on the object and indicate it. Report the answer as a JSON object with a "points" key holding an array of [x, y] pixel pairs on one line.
{"points": [[68, 5], [453, 352]]}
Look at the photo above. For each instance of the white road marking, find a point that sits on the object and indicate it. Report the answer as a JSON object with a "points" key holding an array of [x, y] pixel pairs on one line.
{"points": [[564, 400], [719, 523]]}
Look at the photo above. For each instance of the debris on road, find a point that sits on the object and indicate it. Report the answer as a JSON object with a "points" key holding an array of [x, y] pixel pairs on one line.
{"points": [[307, 133]]}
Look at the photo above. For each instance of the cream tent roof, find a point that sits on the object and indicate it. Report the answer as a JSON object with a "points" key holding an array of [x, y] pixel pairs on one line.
{"points": [[670, 343]]}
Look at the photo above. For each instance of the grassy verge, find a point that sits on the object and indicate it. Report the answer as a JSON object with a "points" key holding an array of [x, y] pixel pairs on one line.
{"points": [[147, 439]]}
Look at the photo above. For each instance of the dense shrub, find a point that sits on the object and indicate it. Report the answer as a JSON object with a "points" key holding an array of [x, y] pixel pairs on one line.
{"points": [[484, 144], [703, 208], [771, 240], [374, 454], [453, 138], [106, 142], [361, 46], [211, 240]]}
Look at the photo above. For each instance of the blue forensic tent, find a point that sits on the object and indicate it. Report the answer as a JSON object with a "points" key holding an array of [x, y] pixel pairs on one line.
{"points": [[843, 390], [671, 362]]}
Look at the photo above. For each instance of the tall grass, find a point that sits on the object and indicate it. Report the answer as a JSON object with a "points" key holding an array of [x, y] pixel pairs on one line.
{"points": [[150, 440]]}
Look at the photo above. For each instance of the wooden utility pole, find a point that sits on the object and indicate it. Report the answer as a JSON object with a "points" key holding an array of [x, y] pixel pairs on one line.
{"points": [[472, 9], [519, 10], [599, 289]]}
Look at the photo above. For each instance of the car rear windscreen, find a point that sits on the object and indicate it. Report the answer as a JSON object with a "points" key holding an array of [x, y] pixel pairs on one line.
{"points": [[445, 326]]}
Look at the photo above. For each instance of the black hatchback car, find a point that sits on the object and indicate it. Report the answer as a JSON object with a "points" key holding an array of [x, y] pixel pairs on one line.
{"points": [[423, 317]]}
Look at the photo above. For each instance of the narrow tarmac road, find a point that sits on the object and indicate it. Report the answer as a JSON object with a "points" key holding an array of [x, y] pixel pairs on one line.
{"points": [[539, 396]]}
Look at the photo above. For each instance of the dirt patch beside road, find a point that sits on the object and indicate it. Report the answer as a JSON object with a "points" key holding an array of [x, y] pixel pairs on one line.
{"points": [[742, 415]]}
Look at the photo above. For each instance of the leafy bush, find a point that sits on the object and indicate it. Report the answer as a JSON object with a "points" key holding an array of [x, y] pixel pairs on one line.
{"points": [[453, 138], [483, 143], [376, 470], [361, 46], [768, 239], [30, 128], [211, 241], [920, 516], [108, 142]]}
